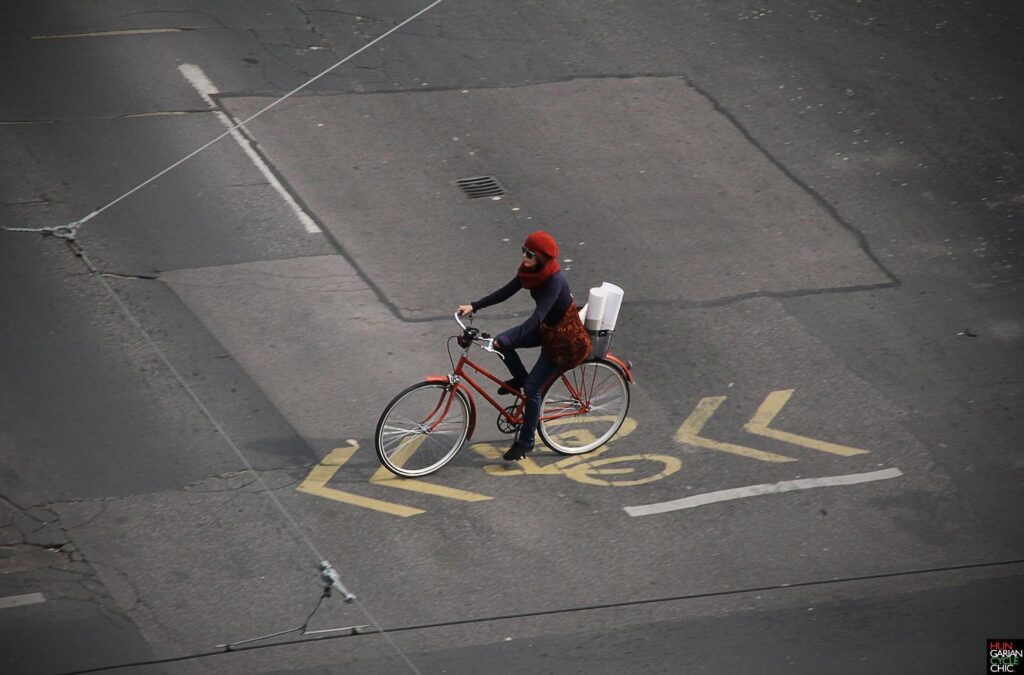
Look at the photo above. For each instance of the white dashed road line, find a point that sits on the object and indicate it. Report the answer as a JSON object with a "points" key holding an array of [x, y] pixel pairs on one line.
{"points": [[763, 489], [202, 84], [108, 33], [19, 600]]}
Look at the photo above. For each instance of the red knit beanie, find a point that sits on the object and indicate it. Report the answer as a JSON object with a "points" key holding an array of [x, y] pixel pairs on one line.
{"points": [[543, 243]]}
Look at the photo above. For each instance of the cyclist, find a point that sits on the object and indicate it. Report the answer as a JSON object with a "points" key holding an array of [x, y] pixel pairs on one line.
{"points": [[554, 324]]}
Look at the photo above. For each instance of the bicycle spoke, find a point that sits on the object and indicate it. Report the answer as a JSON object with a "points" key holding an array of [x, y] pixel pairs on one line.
{"points": [[401, 455], [584, 408], [607, 385], [392, 429], [422, 429]]}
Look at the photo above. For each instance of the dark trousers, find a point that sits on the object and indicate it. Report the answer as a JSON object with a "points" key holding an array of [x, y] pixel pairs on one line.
{"points": [[532, 383]]}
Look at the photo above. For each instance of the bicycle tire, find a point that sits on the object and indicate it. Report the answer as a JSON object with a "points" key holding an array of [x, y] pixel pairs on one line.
{"points": [[400, 439], [582, 432]]}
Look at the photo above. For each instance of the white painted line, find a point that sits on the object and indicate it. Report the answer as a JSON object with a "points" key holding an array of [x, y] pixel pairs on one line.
{"points": [[159, 113], [19, 600], [198, 79], [108, 33], [763, 489]]}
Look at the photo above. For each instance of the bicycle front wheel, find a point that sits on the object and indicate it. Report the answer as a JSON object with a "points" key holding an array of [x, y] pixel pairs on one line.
{"points": [[584, 408], [422, 429]]}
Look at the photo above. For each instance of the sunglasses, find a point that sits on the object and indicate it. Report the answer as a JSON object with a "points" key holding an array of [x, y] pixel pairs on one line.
{"points": [[528, 253]]}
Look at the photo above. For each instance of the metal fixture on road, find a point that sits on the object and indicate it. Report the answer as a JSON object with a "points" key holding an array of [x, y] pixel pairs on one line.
{"points": [[481, 186]]}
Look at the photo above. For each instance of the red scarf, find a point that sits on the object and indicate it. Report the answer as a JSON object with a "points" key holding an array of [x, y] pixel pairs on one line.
{"points": [[535, 278]]}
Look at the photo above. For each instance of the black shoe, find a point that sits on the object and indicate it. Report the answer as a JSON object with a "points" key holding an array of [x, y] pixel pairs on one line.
{"points": [[517, 452], [510, 387]]}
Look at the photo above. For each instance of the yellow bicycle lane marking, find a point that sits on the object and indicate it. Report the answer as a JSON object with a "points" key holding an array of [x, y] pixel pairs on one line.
{"points": [[385, 478], [588, 468], [584, 468], [316, 484], [689, 432], [772, 406], [527, 466]]}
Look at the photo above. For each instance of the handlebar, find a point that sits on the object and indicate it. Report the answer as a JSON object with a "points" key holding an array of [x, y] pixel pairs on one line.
{"points": [[471, 335]]}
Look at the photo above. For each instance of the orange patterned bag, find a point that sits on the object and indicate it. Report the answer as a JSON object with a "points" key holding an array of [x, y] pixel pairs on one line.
{"points": [[566, 343]]}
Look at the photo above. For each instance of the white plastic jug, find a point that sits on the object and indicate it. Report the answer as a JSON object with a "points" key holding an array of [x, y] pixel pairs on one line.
{"points": [[595, 309], [612, 302]]}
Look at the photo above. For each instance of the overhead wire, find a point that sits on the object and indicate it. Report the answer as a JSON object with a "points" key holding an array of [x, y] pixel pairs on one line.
{"points": [[292, 523], [70, 230], [69, 233]]}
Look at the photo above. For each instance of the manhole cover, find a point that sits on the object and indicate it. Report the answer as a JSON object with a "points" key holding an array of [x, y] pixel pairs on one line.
{"points": [[481, 186]]}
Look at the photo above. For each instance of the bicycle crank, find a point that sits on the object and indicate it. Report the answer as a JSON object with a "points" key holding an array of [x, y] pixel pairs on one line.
{"points": [[504, 426]]}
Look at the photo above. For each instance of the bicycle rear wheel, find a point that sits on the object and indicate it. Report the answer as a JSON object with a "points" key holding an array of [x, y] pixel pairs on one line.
{"points": [[422, 429], [584, 408]]}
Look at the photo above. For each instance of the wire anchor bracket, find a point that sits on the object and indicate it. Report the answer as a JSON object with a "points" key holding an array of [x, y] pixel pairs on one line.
{"points": [[330, 580]]}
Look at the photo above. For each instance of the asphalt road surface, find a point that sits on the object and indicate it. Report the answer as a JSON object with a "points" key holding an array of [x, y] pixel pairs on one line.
{"points": [[816, 211]]}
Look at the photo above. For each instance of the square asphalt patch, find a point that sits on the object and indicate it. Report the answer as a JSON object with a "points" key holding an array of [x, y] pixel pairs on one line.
{"points": [[709, 214]]}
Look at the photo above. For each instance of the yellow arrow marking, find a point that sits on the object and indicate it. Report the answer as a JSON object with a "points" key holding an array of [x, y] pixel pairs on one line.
{"points": [[689, 433], [771, 407], [316, 484], [388, 479]]}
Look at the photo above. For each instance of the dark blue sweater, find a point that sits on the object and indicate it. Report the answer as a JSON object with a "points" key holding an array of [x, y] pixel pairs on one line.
{"points": [[553, 297]]}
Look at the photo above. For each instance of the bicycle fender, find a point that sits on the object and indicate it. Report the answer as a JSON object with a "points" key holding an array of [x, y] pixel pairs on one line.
{"points": [[443, 379], [623, 366]]}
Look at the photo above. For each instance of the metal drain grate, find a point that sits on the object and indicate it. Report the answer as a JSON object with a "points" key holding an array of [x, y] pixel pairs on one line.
{"points": [[481, 186]]}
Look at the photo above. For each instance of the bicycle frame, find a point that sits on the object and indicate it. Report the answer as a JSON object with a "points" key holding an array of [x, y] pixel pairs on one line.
{"points": [[594, 393], [460, 378]]}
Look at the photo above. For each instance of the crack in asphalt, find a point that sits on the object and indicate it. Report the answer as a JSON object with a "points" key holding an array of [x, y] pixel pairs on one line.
{"points": [[60, 575], [442, 27], [34, 202], [220, 24], [265, 46], [10, 503], [106, 118], [15, 122], [357, 31], [336, 289], [357, 15], [159, 113], [755, 295], [134, 601], [324, 42], [102, 503], [120, 275], [133, 608]]}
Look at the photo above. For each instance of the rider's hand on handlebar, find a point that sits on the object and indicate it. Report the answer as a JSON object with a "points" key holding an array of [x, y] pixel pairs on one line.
{"points": [[465, 310]]}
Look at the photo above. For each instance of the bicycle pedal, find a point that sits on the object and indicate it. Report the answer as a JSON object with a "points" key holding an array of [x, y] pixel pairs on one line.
{"points": [[504, 426]]}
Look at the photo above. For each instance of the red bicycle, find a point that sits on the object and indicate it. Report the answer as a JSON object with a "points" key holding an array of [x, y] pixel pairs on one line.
{"points": [[426, 425]]}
